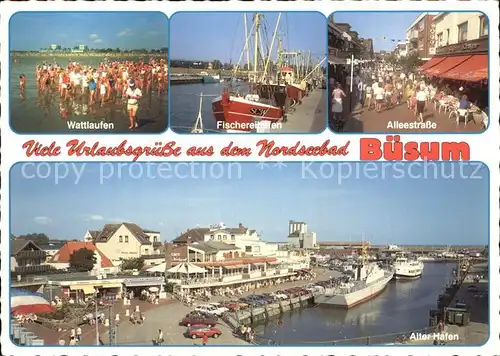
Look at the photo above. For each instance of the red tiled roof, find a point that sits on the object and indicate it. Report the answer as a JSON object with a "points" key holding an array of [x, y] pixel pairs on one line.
{"points": [[70, 247]]}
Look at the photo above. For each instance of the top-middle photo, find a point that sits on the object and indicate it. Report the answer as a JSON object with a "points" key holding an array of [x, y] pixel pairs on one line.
{"points": [[235, 72]]}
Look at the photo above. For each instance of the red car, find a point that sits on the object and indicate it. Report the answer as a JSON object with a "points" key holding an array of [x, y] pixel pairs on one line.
{"points": [[198, 331]]}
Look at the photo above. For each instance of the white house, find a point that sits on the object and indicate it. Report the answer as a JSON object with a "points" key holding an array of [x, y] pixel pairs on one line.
{"points": [[244, 239]]}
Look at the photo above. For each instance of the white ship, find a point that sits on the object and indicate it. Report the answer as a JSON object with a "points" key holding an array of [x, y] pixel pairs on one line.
{"points": [[405, 268], [370, 280]]}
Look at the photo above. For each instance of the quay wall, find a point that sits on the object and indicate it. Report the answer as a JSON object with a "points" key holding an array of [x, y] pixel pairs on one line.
{"points": [[266, 312], [185, 80]]}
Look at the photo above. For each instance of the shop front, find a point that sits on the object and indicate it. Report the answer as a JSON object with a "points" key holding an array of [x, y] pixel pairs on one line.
{"points": [[146, 288], [461, 68]]}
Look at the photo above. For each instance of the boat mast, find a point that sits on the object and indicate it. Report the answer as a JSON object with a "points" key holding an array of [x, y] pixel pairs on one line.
{"points": [[308, 61], [279, 60], [317, 67], [272, 45], [247, 47], [364, 250], [256, 46]]}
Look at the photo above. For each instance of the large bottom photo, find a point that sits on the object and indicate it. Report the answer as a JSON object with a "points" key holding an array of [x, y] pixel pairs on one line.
{"points": [[281, 254]]}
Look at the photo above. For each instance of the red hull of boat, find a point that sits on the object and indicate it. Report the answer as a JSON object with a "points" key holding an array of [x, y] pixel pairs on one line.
{"points": [[295, 93], [239, 114]]}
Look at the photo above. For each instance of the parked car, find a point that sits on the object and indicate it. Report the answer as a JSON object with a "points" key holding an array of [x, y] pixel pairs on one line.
{"points": [[220, 307], [281, 295], [193, 319], [198, 331], [210, 309], [230, 305]]}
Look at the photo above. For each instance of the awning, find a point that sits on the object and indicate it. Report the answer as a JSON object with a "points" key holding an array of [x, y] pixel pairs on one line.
{"points": [[431, 63], [274, 263], [111, 285], [446, 65], [233, 266], [141, 283], [473, 69], [86, 289]]}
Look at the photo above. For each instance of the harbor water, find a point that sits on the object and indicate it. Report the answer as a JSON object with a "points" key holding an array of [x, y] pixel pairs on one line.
{"points": [[185, 103], [35, 112], [401, 307]]}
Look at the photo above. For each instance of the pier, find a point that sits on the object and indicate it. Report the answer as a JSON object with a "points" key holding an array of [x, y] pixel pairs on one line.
{"points": [[310, 116], [266, 312]]}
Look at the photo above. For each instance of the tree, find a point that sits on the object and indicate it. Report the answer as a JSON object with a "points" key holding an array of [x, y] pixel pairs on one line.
{"points": [[411, 62], [82, 260], [132, 263], [38, 238]]}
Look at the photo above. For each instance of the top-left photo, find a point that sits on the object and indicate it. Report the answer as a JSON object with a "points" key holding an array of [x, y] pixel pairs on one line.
{"points": [[88, 72]]}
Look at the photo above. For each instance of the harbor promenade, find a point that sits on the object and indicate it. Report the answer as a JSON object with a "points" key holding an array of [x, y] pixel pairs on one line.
{"points": [[310, 116]]}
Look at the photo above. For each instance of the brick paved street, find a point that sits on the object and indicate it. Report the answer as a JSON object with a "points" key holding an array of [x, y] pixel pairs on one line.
{"points": [[364, 120]]}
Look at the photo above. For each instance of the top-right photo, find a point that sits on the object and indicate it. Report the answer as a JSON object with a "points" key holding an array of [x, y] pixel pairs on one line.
{"points": [[408, 72]]}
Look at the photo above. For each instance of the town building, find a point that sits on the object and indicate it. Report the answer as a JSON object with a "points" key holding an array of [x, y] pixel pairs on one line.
{"points": [[80, 49], [241, 237], [367, 48], [401, 50], [51, 248], [26, 257], [126, 241], [299, 237], [61, 259], [460, 27], [55, 47], [462, 53], [421, 36]]}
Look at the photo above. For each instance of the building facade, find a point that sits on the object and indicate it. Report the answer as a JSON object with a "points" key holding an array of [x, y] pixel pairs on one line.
{"points": [[126, 241], [241, 237], [26, 257], [299, 237], [460, 27], [421, 36]]}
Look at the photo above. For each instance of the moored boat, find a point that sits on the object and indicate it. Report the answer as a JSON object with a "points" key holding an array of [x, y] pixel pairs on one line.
{"points": [[370, 281], [235, 113], [407, 268], [247, 113]]}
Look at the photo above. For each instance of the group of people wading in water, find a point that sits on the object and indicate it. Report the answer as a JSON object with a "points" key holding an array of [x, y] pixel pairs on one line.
{"points": [[110, 83]]}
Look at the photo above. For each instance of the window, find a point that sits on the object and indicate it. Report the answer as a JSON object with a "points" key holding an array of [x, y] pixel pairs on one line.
{"points": [[126, 239], [218, 237], [120, 238], [248, 248], [439, 39], [462, 32], [483, 27], [447, 37], [233, 237], [212, 237]]}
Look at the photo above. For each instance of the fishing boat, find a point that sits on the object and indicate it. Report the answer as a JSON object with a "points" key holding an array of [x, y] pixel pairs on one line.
{"points": [[243, 113]]}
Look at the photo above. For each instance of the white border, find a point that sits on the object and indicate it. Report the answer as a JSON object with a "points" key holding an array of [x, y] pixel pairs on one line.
{"points": [[484, 147]]}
